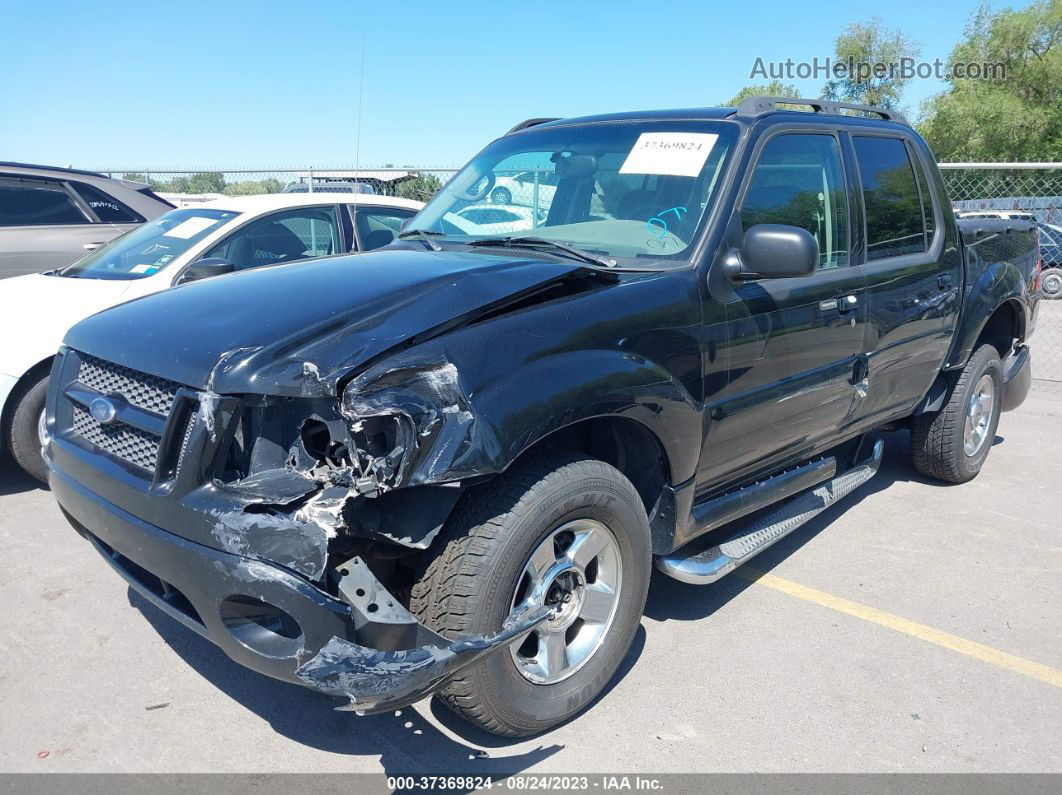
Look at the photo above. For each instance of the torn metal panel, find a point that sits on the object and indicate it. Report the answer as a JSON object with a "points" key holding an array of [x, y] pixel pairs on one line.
{"points": [[380, 620], [301, 546], [275, 486], [374, 680], [436, 415]]}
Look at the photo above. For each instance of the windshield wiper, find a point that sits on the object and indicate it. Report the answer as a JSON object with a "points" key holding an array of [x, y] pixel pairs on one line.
{"points": [[424, 235], [530, 241]]}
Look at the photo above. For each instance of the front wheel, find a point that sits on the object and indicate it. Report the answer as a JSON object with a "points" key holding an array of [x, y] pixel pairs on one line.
{"points": [[26, 432], [562, 530], [501, 196], [953, 443]]}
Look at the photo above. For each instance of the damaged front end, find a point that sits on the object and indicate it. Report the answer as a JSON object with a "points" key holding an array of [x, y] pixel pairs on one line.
{"points": [[346, 492], [375, 679]]}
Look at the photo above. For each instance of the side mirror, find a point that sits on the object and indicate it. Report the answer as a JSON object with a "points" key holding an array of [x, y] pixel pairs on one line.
{"points": [[774, 251], [205, 268]]}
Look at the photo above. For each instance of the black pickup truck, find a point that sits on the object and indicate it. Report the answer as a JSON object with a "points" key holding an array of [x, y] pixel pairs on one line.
{"points": [[451, 464]]}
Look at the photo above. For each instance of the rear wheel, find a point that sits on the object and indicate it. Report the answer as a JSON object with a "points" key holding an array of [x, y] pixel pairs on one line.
{"points": [[501, 196], [952, 444], [560, 529], [26, 433], [1051, 283]]}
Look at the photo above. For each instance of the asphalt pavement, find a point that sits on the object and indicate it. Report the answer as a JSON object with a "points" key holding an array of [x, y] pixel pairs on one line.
{"points": [[914, 627]]}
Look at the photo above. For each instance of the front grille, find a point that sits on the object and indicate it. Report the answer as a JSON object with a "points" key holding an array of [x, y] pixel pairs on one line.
{"points": [[138, 445], [147, 392], [133, 445]]}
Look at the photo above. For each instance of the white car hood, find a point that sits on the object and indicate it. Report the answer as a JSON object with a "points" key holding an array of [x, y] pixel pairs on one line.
{"points": [[36, 311]]}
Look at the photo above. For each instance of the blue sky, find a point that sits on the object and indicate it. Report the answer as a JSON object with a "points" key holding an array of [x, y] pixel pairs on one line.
{"points": [[224, 84]]}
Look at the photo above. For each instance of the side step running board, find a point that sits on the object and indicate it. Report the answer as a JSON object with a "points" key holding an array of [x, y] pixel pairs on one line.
{"points": [[711, 564]]}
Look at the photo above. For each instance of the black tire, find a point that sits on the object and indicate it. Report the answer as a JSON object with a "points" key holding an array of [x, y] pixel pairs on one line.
{"points": [[501, 196], [937, 440], [467, 585], [22, 437]]}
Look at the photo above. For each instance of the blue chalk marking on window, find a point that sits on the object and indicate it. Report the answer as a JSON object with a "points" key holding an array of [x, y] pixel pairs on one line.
{"points": [[678, 211]]}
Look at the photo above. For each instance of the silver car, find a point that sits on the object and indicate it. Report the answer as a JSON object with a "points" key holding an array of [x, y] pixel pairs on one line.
{"points": [[50, 217]]}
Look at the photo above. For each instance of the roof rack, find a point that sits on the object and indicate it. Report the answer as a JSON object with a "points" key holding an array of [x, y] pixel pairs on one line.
{"points": [[530, 123], [759, 106]]}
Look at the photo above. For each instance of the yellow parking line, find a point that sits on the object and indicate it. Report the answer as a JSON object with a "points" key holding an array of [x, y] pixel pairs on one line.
{"points": [[946, 640]]}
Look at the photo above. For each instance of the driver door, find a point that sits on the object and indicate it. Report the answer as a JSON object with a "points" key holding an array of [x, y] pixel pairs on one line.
{"points": [[796, 345]]}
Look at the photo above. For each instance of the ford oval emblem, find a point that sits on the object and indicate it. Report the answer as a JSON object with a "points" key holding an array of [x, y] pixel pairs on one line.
{"points": [[102, 410]]}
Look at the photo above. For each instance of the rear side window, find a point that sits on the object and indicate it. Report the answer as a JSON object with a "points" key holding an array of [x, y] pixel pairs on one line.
{"points": [[895, 223], [928, 217], [37, 202], [107, 208], [798, 181]]}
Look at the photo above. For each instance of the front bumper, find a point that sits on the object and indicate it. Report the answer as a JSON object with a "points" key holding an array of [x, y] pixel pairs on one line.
{"points": [[1017, 377], [275, 622]]}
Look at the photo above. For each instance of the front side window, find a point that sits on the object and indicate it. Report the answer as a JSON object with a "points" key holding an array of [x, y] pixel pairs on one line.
{"points": [[378, 227], [631, 190], [281, 237], [151, 247], [895, 224], [798, 181], [37, 202], [107, 208]]}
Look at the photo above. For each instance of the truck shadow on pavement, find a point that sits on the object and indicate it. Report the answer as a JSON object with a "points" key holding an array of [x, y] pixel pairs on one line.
{"points": [[13, 480], [672, 600], [405, 742]]}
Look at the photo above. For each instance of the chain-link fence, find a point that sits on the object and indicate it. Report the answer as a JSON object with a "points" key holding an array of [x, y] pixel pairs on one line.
{"points": [[194, 186], [520, 199]]}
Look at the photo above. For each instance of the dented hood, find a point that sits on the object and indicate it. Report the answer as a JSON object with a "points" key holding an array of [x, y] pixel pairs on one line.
{"points": [[296, 329]]}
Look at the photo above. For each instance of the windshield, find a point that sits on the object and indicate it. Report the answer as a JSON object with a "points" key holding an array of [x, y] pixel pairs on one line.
{"points": [[635, 190], [150, 247]]}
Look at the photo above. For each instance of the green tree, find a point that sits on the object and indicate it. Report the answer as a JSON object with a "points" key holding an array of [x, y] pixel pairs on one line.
{"points": [[202, 182], [421, 187], [253, 187], [206, 182], [1014, 110], [866, 45], [775, 88]]}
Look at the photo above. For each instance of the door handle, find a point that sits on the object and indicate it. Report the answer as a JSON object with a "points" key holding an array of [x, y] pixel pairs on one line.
{"points": [[847, 303]]}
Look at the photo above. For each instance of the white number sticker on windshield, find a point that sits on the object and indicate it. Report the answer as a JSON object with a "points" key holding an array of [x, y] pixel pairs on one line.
{"points": [[669, 154], [190, 227]]}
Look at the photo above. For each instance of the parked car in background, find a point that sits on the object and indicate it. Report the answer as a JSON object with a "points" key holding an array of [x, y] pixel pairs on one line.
{"points": [[1050, 245], [330, 186], [1011, 215], [520, 189], [51, 216], [1051, 256], [492, 219], [231, 234]]}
